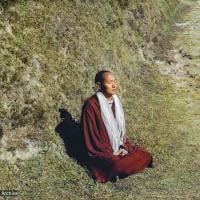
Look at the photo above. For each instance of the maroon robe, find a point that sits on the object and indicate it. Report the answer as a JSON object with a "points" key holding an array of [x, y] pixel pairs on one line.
{"points": [[100, 159]]}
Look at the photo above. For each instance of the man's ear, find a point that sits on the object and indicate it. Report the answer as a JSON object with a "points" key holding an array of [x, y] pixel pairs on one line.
{"points": [[97, 87]]}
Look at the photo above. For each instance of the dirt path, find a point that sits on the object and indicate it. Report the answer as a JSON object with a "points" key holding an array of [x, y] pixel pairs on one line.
{"points": [[183, 70]]}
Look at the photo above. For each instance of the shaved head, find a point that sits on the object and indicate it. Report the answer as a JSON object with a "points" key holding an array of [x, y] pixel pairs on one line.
{"points": [[106, 82], [100, 76]]}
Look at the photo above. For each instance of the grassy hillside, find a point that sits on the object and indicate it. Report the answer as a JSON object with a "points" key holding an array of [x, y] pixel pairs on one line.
{"points": [[50, 52]]}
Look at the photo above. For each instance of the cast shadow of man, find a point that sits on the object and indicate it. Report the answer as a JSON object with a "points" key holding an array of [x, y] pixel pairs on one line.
{"points": [[70, 131]]}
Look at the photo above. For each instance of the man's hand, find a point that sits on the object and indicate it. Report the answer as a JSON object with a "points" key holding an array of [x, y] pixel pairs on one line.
{"points": [[121, 152]]}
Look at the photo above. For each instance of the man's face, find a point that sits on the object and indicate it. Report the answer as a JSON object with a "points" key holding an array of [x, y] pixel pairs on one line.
{"points": [[109, 84]]}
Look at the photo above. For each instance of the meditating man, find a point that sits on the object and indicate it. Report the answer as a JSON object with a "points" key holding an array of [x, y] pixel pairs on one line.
{"points": [[110, 155]]}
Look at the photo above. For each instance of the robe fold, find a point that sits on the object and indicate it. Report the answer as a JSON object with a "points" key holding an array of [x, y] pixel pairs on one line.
{"points": [[101, 162]]}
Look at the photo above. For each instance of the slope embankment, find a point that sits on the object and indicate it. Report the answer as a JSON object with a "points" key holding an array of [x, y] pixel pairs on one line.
{"points": [[50, 52]]}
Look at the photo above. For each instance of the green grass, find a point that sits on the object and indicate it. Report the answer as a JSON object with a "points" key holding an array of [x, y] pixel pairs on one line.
{"points": [[50, 52]]}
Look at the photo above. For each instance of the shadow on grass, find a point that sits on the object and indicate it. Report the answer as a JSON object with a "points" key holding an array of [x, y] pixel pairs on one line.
{"points": [[70, 131]]}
